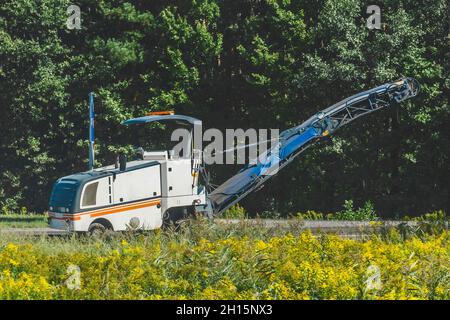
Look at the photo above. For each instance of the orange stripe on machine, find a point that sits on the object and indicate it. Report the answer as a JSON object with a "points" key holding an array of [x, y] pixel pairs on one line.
{"points": [[132, 207], [65, 218], [105, 211]]}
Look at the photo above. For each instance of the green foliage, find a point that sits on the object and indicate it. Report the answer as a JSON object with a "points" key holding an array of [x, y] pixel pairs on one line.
{"points": [[212, 261], [269, 215], [433, 222], [310, 215], [423, 226], [235, 212], [366, 213], [23, 220], [265, 64]]}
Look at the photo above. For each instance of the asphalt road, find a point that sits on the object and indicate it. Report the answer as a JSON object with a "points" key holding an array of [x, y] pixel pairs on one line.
{"points": [[343, 228]]}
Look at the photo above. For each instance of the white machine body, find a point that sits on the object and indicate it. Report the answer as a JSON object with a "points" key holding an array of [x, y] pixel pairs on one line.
{"points": [[136, 198], [138, 195]]}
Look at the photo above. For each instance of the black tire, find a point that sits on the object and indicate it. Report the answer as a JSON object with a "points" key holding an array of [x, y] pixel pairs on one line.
{"points": [[175, 217], [97, 229]]}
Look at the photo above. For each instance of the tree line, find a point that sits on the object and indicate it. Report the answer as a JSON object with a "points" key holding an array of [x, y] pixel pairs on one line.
{"points": [[233, 64]]}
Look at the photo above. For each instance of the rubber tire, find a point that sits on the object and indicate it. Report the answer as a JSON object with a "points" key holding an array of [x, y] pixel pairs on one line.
{"points": [[96, 229], [174, 217]]}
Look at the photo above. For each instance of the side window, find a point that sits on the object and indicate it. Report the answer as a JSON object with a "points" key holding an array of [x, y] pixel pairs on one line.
{"points": [[90, 195]]}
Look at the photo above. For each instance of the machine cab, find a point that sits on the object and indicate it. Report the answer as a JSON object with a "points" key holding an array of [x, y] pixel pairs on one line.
{"points": [[131, 196]]}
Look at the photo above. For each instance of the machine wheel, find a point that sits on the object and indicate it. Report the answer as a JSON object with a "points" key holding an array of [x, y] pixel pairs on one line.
{"points": [[175, 217], [96, 229]]}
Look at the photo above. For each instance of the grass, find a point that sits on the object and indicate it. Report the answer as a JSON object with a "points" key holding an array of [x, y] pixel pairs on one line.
{"points": [[349, 213], [205, 260], [23, 221]]}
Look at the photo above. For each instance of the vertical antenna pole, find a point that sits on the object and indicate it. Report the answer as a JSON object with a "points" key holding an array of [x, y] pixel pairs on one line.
{"points": [[91, 131]]}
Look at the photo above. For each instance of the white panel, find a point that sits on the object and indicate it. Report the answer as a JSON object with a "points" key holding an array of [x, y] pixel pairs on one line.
{"points": [[102, 198], [149, 218], [179, 177], [155, 155], [137, 184]]}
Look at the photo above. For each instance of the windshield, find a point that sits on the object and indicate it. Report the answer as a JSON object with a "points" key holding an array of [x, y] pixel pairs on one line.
{"points": [[63, 195]]}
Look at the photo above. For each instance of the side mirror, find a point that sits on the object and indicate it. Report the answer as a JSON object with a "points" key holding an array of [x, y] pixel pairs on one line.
{"points": [[122, 162]]}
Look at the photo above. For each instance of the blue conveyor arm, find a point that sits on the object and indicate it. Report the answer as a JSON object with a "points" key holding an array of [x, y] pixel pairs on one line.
{"points": [[295, 140]]}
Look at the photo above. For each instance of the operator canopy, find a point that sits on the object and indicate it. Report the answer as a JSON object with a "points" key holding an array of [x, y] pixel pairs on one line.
{"points": [[173, 117], [170, 116]]}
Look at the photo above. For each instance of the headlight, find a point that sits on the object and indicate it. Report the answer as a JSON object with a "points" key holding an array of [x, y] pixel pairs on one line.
{"points": [[51, 208], [67, 209]]}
